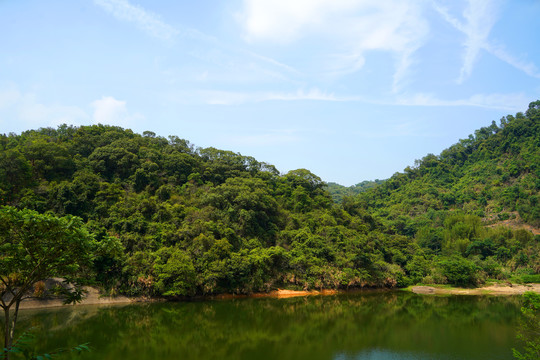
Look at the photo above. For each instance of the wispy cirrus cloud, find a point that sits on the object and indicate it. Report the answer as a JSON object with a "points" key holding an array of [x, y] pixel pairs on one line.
{"points": [[143, 19], [347, 33], [220, 97], [480, 16], [346, 30], [527, 67], [512, 102], [207, 48], [507, 102]]}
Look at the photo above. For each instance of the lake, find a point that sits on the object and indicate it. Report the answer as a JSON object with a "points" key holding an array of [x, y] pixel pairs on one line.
{"points": [[375, 325]]}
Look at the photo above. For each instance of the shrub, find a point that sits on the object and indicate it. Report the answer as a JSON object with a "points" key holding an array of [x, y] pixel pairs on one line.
{"points": [[531, 278], [458, 271]]}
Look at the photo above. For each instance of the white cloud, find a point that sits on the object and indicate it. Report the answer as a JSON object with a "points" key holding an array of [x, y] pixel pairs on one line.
{"points": [[33, 112], [480, 17], [526, 66], [111, 111], [197, 44], [216, 97], [145, 20], [311, 94], [26, 111], [346, 29], [512, 102], [508, 102], [284, 21]]}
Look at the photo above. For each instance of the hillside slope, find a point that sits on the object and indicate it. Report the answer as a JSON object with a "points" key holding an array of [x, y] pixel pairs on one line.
{"points": [[338, 192], [494, 174], [174, 220]]}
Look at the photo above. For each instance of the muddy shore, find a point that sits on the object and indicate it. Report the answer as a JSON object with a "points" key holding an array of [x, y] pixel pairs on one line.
{"points": [[93, 296], [497, 289]]}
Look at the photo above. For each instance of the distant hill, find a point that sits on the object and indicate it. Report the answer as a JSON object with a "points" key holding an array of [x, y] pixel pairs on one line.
{"points": [[493, 174], [338, 192], [170, 219]]}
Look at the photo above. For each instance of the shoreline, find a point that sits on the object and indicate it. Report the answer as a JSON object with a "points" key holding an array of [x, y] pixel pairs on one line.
{"points": [[496, 289], [93, 297]]}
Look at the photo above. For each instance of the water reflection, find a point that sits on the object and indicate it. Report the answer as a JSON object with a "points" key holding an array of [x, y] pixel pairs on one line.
{"points": [[389, 325]]}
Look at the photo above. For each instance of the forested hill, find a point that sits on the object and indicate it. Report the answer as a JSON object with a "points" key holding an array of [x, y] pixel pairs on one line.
{"points": [[170, 219], [493, 174], [338, 192]]}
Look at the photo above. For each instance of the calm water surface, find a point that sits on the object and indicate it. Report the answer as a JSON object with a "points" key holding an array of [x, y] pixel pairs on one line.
{"points": [[374, 325]]}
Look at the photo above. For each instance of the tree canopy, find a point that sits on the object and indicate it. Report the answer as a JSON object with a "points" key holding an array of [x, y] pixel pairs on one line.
{"points": [[171, 219], [35, 247]]}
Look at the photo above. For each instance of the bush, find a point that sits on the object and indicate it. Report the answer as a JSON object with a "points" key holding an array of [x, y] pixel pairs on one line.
{"points": [[458, 271], [428, 280], [491, 268], [531, 278], [529, 327]]}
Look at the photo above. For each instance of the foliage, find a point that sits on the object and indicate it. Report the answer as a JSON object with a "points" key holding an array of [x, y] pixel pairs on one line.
{"points": [[173, 220], [338, 192], [529, 332], [23, 346], [445, 201], [458, 271], [36, 247]]}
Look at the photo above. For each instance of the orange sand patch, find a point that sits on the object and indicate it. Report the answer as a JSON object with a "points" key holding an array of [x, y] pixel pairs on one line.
{"points": [[498, 289], [279, 294]]}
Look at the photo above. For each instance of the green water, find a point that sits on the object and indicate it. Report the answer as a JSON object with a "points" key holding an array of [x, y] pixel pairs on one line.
{"points": [[375, 325]]}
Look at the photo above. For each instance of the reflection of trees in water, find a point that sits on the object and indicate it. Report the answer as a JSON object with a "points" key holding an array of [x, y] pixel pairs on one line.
{"points": [[317, 327], [529, 328]]}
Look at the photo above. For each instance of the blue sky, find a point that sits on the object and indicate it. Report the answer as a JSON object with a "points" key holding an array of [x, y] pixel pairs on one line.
{"points": [[350, 89]]}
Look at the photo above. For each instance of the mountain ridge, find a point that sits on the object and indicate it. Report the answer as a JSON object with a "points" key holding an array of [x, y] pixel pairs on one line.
{"points": [[173, 220]]}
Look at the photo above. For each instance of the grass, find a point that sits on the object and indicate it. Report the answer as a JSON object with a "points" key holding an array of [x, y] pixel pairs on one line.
{"points": [[526, 278], [531, 278]]}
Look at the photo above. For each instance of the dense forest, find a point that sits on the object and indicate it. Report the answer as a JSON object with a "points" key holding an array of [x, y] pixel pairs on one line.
{"points": [[338, 192], [172, 220]]}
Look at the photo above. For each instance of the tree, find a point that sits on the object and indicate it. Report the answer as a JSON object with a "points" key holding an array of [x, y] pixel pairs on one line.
{"points": [[15, 174], [35, 247], [529, 332], [458, 271], [175, 272]]}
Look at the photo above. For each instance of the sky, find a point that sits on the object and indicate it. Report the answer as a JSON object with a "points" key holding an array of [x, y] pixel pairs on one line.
{"points": [[352, 90]]}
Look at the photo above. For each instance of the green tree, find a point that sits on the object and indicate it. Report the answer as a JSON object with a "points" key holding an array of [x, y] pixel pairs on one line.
{"points": [[530, 327], [458, 271], [175, 272], [36, 247], [49, 160], [15, 174]]}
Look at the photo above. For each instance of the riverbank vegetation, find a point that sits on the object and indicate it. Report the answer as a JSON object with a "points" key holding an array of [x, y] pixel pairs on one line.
{"points": [[170, 219]]}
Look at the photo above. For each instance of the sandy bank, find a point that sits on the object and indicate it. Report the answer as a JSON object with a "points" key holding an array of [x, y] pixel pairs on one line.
{"points": [[282, 294], [92, 297], [279, 294], [497, 289]]}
